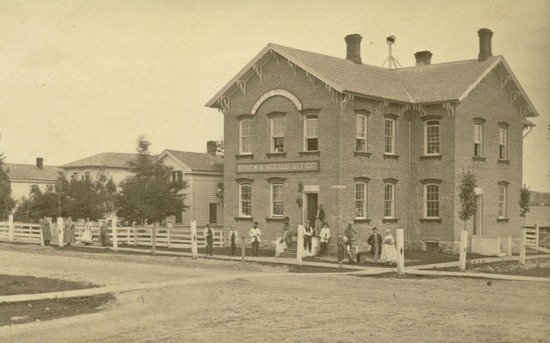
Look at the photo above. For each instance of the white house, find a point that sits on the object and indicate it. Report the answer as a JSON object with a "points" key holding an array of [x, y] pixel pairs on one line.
{"points": [[24, 176]]}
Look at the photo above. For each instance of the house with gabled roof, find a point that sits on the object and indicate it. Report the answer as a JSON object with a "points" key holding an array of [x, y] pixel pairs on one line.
{"points": [[377, 147], [23, 176]]}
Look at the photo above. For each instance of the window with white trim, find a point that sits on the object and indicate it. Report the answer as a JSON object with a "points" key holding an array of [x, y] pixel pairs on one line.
{"points": [[502, 200], [361, 200], [177, 175], [311, 134], [277, 208], [278, 127], [389, 136], [431, 137], [502, 143], [245, 200], [389, 200], [431, 200], [478, 140], [361, 122], [245, 136]]}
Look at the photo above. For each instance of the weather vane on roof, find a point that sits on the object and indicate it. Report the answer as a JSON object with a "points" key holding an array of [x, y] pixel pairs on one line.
{"points": [[392, 62]]}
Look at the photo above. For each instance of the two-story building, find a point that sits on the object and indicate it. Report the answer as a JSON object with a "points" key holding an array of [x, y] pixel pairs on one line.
{"points": [[377, 147], [23, 176]]}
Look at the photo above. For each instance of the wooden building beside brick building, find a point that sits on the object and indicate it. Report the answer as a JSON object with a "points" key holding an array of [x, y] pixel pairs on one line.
{"points": [[376, 146]]}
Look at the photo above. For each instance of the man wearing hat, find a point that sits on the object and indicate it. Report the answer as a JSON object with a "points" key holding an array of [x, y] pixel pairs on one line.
{"points": [[255, 235], [209, 235], [232, 239], [375, 241], [308, 234]]}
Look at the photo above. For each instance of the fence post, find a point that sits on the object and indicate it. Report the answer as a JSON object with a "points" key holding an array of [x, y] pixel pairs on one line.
{"points": [[400, 252], [128, 235], [135, 235], [536, 235], [522, 246], [60, 231], [509, 251], [463, 249], [243, 249], [154, 239], [12, 228], [169, 234], [115, 233], [300, 247], [41, 235], [498, 245], [194, 248]]}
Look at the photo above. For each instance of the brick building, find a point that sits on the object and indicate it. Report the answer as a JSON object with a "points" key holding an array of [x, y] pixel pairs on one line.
{"points": [[377, 147]]}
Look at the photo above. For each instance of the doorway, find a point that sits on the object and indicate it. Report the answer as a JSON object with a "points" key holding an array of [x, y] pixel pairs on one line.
{"points": [[478, 217], [311, 208]]}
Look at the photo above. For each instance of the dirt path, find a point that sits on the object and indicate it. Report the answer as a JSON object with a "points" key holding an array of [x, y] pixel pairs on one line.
{"points": [[289, 307]]}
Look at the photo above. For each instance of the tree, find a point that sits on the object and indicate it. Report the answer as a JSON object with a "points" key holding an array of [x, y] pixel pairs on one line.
{"points": [[524, 198], [300, 200], [38, 205], [220, 147], [149, 194], [6, 202], [467, 196]]}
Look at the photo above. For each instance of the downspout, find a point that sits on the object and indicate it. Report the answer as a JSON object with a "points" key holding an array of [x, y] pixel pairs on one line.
{"points": [[408, 236]]}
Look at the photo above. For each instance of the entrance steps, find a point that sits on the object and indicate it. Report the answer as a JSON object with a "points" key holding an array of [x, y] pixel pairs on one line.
{"points": [[290, 252]]}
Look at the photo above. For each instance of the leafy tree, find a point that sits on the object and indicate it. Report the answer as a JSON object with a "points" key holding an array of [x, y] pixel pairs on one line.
{"points": [[524, 198], [38, 205], [149, 194], [6, 202], [467, 196]]}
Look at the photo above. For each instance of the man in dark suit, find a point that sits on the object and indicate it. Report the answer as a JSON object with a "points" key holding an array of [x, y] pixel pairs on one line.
{"points": [[375, 242]]}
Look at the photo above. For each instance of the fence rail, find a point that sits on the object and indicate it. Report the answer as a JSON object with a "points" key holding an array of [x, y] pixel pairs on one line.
{"points": [[174, 238], [531, 236]]}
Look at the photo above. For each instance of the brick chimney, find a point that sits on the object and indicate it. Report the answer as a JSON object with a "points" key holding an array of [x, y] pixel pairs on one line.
{"points": [[211, 147], [353, 44], [423, 58], [40, 163], [485, 49]]}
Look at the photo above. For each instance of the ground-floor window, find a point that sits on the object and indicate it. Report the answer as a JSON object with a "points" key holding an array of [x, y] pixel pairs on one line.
{"points": [[389, 200], [245, 200], [360, 200], [502, 195], [277, 208], [431, 201]]}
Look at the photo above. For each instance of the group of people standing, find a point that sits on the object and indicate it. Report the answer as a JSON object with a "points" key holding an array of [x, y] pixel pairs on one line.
{"points": [[382, 249], [69, 232]]}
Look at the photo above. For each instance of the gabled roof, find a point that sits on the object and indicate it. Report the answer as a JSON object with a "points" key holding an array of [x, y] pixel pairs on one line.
{"points": [[31, 172], [451, 81], [105, 160], [195, 161]]}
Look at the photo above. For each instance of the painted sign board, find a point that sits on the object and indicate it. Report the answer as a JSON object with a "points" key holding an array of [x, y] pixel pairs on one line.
{"points": [[278, 167]]}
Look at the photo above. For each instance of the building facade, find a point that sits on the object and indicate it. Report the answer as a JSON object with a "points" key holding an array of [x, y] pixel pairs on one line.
{"points": [[24, 176], [376, 147]]}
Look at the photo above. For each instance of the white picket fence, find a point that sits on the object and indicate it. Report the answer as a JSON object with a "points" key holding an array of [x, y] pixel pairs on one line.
{"points": [[171, 238], [531, 236]]}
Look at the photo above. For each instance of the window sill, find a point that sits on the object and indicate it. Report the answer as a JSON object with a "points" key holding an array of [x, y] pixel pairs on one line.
{"points": [[243, 218], [503, 161], [430, 220], [503, 220], [431, 157], [276, 154], [310, 153], [479, 159], [389, 220], [239, 156], [390, 156], [276, 219], [361, 220], [361, 153]]}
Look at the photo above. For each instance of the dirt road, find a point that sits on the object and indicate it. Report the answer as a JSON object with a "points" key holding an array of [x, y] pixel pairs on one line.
{"points": [[282, 307]]}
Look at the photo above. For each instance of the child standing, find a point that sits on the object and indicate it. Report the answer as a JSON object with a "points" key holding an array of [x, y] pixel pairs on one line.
{"points": [[341, 243]]}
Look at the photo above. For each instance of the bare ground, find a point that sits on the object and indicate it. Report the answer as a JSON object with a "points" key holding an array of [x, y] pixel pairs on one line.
{"points": [[287, 307]]}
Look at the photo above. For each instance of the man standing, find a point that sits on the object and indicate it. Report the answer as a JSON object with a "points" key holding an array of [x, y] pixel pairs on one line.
{"points": [[375, 241], [232, 238], [46, 232], [325, 237], [320, 219], [209, 235], [255, 235], [308, 234]]}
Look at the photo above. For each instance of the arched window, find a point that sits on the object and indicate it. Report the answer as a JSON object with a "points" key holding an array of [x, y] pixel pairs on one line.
{"points": [[245, 136], [278, 127], [431, 137]]}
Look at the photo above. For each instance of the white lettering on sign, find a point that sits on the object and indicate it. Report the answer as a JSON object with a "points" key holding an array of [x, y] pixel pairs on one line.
{"points": [[278, 167], [337, 186], [276, 92]]}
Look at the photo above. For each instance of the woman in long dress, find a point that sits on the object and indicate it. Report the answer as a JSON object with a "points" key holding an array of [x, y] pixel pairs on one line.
{"points": [[104, 235], [389, 254], [46, 233], [68, 233], [86, 237]]}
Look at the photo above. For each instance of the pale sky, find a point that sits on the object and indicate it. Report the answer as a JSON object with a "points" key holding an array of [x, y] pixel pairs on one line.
{"points": [[82, 77]]}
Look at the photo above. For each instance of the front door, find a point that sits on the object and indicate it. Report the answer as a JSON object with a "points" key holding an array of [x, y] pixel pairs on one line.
{"points": [[213, 213], [478, 217], [311, 208]]}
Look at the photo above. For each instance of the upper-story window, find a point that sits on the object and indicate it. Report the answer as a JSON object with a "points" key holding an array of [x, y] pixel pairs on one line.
{"points": [[311, 133], [277, 205], [177, 175], [503, 143], [478, 140], [278, 127], [361, 121], [245, 136], [389, 136], [245, 200], [431, 138]]}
